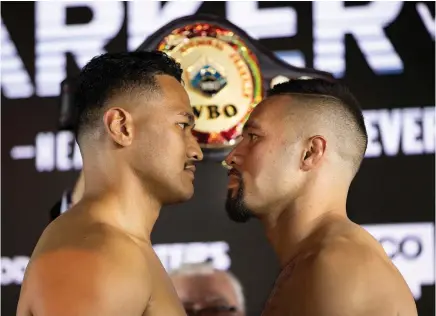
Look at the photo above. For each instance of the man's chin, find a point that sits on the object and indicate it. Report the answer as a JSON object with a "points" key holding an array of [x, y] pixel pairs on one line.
{"points": [[186, 195], [180, 196], [237, 217], [235, 207]]}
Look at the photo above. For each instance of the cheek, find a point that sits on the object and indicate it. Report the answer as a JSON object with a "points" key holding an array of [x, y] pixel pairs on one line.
{"points": [[172, 150], [161, 148], [258, 165], [169, 143], [270, 169]]}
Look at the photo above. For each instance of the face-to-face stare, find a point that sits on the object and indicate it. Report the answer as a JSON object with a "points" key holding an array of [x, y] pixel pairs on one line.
{"points": [[265, 163], [207, 292], [163, 150]]}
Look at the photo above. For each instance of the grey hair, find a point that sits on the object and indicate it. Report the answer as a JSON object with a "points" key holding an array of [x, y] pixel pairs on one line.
{"points": [[205, 268]]}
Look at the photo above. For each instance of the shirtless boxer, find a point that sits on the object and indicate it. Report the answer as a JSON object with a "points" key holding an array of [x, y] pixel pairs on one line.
{"points": [[138, 155], [301, 148]]}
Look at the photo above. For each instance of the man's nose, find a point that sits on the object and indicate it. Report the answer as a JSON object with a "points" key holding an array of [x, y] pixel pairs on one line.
{"points": [[194, 151], [234, 157]]}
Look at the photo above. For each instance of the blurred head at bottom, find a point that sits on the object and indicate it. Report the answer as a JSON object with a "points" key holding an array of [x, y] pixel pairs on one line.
{"points": [[206, 291]]}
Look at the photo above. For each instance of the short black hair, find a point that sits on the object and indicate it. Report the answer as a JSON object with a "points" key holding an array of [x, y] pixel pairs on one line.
{"points": [[334, 102], [112, 73]]}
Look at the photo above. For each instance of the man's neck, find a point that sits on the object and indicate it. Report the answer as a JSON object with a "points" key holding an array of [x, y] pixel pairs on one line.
{"points": [[293, 225], [124, 204], [78, 190]]}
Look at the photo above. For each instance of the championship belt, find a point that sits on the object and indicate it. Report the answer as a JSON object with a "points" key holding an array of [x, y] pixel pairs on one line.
{"points": [[226, 74]]}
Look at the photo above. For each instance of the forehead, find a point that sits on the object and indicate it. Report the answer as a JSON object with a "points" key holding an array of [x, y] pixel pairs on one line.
{"points": [[172, 90], [272, 112], [171, 97]]}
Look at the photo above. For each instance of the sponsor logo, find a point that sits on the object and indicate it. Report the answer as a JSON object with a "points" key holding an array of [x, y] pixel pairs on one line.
{"points": [[218, 67], [13, 269], [172, 257], [51, 152], [411, 248], [407, 131]]}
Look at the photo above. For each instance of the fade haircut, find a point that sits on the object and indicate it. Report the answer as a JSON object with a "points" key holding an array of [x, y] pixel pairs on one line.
{"points": [[332, 103], [109, 75]]}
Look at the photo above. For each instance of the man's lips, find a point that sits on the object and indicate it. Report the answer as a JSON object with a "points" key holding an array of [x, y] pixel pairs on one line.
{"points": [[190, 169], [234, 179], [234, 172]]}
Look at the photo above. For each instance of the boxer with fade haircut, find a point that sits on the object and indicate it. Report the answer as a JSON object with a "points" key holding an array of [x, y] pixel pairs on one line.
{"points": [[135, 136], [301, 148]]}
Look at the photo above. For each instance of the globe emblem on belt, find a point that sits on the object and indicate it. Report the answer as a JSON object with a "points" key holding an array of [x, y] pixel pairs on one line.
{"points": [[208, 81]]}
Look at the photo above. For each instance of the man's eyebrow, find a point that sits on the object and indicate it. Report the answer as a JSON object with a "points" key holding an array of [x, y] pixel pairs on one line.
{"points": [[190, 117], [251, 124], [219, 300]]}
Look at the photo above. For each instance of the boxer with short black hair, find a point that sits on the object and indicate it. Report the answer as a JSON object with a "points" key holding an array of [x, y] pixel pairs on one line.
{"points": [[135, 136], [301, 149]]}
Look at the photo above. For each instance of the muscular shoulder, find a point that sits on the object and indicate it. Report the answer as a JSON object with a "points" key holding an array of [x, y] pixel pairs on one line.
{"points": [[102, 243], [346, 277], [345, 261], [96, 266]]}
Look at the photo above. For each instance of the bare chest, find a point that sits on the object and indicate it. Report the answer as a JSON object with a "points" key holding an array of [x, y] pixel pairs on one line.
{"points": [[279, 300], [164, 299]]}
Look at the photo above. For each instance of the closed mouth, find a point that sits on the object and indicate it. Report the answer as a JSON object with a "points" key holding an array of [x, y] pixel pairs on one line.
{"points": [[233, 172], [234, 179], [191, 169]]}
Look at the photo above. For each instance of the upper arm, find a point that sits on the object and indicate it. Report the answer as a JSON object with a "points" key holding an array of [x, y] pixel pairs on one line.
{"points": [[84, 282], [340, 284]]}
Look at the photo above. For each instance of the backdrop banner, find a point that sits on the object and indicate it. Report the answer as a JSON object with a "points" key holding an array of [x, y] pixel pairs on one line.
{"points": [[232, 52]]}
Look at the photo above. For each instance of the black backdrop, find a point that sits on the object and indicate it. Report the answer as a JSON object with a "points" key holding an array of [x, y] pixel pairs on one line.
{"points": [[393, 195]]}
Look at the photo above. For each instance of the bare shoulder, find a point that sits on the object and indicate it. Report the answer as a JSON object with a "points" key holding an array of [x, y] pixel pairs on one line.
{"points": [[93, 270], [350, 275]]}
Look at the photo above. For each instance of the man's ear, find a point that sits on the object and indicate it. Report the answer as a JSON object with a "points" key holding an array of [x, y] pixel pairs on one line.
{"points": [[119, 125], [313, 153]]}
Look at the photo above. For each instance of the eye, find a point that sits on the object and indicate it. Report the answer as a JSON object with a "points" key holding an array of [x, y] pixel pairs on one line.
{"points": [[183, 126], [252, 136]]}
